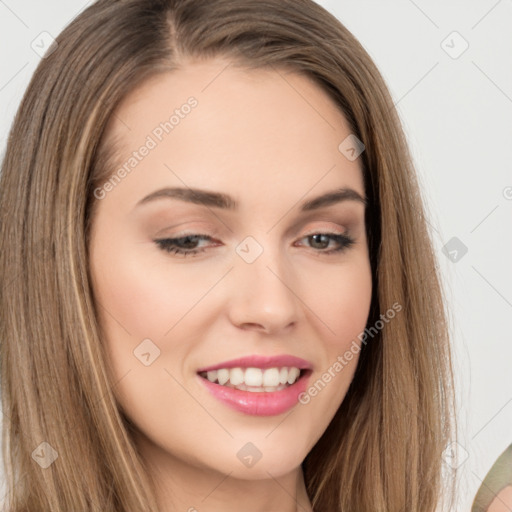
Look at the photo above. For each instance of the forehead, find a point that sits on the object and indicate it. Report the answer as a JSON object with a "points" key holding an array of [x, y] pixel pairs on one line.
{"points": [[210, 123]]}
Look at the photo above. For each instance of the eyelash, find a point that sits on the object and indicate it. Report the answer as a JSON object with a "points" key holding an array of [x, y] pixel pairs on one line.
{"points": [[169, 244]]}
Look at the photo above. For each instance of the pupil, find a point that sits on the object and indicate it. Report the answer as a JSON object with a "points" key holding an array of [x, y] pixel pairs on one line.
{"points": [[316, 239], [189, 241]]}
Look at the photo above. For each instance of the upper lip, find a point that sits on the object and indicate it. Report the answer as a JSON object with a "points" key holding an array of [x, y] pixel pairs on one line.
{"points": [[258, 361]]}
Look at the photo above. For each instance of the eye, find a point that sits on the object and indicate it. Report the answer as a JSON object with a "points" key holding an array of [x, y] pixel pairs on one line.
{"points": [[184, 245], [322, 240], [187, 245]]}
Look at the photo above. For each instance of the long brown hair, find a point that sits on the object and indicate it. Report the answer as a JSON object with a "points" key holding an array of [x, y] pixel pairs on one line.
{"points": [[383, 449]]}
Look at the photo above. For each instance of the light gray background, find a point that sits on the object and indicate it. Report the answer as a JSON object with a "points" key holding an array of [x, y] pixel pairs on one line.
{"points": [[457, 113]]}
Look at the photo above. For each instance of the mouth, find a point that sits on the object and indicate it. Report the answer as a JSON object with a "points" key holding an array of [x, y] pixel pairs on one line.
{"points": [[255, 380], [261, 386]]}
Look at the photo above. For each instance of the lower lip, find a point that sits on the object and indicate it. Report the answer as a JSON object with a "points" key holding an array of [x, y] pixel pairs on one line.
{"points": [[266, 403]]}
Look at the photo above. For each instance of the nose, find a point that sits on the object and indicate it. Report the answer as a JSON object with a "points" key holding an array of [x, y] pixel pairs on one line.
{"points": [[265, 295]]}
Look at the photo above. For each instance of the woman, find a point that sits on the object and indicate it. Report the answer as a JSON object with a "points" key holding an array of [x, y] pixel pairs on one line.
{"points": [[180, 179]]}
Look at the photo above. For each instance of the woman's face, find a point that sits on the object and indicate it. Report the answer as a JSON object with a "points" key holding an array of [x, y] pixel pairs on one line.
{"points": [[280, 284]]}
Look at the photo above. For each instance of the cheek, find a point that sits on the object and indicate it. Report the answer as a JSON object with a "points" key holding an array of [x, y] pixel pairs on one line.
{"points": [[343, 308], [138, 304], [342, 304], [145, 299]]}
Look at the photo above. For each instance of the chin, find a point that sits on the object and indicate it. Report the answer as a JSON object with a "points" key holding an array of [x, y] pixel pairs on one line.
{"points": [[257, 458], [273, 467]]}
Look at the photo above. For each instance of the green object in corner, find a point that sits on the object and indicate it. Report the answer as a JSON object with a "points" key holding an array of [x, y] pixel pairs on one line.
{"points": [[498, 477]]}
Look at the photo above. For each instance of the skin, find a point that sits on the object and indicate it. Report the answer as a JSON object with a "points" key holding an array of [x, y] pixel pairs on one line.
{"points": [[269, 139], [503, 501]]}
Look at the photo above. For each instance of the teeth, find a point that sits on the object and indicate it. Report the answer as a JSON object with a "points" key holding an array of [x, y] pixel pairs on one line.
{"points": [[293, 375], [236, 376], [222, 376], [271, 377], [254, 379], [243, 387]]}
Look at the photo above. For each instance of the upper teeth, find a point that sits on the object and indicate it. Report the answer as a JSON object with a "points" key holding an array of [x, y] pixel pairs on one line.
{"points": [[254, 377]]}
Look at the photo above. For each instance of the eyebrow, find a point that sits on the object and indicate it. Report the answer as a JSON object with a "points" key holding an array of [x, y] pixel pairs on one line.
{"points": [[226, 202]]}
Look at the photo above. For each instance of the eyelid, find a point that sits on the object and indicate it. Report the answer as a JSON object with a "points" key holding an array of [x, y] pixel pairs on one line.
{"points": [[196, 228], [213, 236], [323, 229], [212, 231]]}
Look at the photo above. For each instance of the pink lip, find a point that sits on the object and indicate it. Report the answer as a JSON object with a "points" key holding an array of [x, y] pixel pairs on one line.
{"points": [[259, 403], [261, 362]]}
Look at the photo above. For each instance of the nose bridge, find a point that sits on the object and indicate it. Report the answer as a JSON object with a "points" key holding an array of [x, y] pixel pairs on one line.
{"points": [[264, 286]]}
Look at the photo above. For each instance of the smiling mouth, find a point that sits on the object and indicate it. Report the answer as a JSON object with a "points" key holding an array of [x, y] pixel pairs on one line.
{"points": [[256, 380]]}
